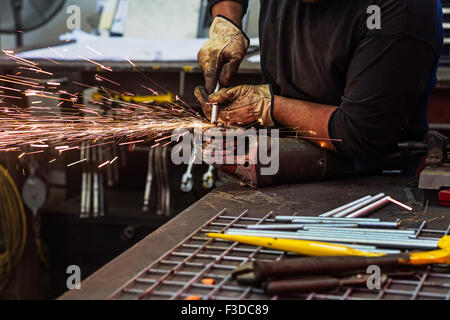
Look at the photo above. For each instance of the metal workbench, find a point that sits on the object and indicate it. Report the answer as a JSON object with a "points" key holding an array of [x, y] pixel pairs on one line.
{"points": [[124, 277]]}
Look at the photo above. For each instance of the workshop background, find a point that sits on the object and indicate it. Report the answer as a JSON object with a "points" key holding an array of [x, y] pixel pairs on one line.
{"points": [[81, 215], [90, 237]]}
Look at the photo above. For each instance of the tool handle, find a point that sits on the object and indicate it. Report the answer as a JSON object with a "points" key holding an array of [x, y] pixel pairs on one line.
{"points": [[320, 265], [302, 285]]}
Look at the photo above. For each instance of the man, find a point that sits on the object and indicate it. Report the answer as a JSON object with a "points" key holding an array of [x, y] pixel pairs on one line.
{"points": [[330, 71]]}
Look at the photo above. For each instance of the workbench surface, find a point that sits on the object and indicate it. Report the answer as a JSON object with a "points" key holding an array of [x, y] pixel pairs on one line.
{"points": [[302, 199]]}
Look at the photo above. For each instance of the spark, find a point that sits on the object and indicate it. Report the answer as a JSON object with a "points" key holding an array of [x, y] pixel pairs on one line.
{"points": [[51, 161], [77, 162], [39, 145], [130, 62], [110, 120], [131, 142], [96, 63], [400, 204], [104, 164], [93, 50], [114, 159]]}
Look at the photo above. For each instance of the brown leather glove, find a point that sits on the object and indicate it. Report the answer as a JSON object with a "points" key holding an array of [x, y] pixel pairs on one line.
{"points": [[241, 105], [222, 54]]}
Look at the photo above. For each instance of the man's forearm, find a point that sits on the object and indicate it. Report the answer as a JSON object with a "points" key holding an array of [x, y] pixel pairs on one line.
{"points": [[230, 9], [309, 119]]}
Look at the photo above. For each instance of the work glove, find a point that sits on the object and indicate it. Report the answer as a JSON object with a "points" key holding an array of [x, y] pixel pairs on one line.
{"points": [[222, 54], [241, 105]]}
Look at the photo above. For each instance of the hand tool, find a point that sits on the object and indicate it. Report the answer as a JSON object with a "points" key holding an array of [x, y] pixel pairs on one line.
{"points": [[310, 248], [101, 187], [83, 183], [208, 178], [321, 249], [187, 182], [159, 191], [258, 271], [95, 174], [316, 284], [436, 176], [166, 185], [148, 184], [88, 184]]}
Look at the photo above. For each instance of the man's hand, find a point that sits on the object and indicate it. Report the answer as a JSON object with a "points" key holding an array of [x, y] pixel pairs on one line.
{"points": [[221, 56], [241, 105]]}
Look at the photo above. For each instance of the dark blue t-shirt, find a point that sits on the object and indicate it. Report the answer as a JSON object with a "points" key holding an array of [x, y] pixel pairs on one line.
{"points": [[381, 79]]}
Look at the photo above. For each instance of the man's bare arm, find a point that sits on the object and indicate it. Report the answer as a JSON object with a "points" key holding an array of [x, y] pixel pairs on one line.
{"points": [[309, 119], [230, 9]]}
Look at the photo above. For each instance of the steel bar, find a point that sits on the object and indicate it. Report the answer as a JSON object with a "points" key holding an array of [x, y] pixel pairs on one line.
{"points": [[370, 208], [298, 226], [348, 205], [360, 205], [281, 218], [361, 230], [282, 234], [403, 244]]}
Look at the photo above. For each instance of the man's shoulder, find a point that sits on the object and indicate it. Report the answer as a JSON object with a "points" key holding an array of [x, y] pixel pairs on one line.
{"points": [[418, 19]]}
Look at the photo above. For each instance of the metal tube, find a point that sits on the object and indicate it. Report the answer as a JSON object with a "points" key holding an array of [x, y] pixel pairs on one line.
{"points": [[214, 113], [388, 225], [334, 211], [333, 219], [402, 244], [360, 230], [357, 235], [370, 208], [297, 226], [318, 233], [360, 205]]}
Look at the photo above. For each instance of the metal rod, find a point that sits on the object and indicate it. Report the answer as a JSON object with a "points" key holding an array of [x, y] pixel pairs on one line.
{"points": [[334, 211], [403, 244], [333, 219], [297, 226], [370, 208], [360, 230], [320, 233], [214, 113], [382, 224], [360, 205]]}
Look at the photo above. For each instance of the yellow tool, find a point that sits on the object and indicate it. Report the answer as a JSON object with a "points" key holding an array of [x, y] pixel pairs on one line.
{"points": [[313, 248], [303, 247], [167, 98]]}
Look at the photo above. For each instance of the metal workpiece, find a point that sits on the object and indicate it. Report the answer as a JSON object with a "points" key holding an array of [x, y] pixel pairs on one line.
{"points": [[293, 226], [281, 218], [381, 242], [214, 113], [360, 205], [348, 205], [355, 235], [370, 208], [369, 224], [361, 230], [178, 272]]}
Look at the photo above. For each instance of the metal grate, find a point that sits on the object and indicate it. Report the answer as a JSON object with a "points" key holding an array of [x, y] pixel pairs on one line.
{"points": [[179, 273]]}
